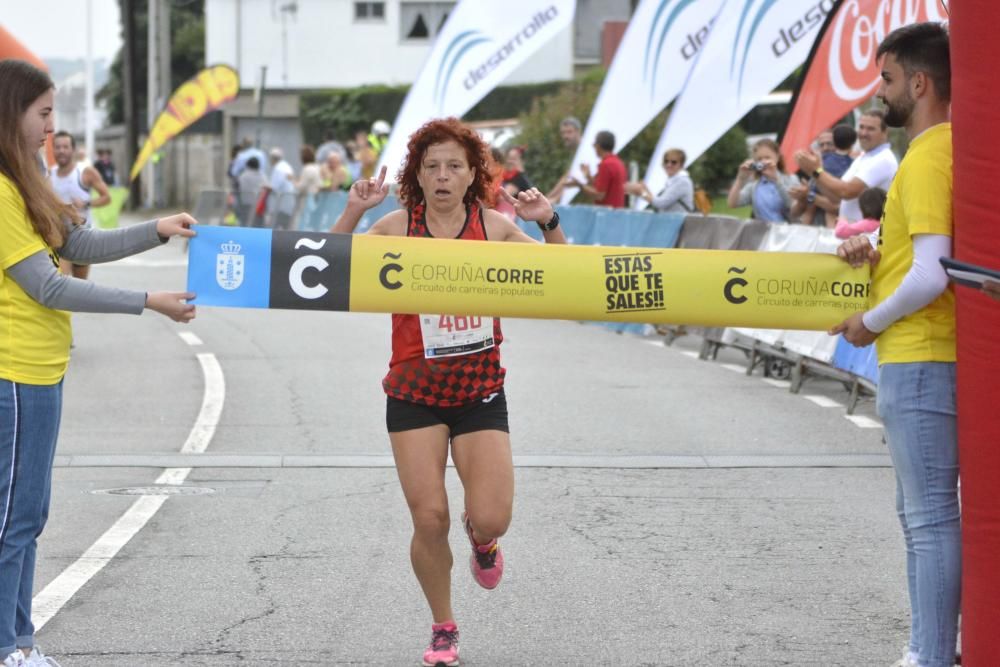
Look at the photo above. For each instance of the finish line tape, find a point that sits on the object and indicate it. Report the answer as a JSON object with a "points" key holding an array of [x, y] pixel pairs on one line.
{"points": [[260, 268]]}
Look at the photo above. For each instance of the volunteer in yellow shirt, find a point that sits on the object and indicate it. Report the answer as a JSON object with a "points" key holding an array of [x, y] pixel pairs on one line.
{"points": [[36, 229], [913, 326]]}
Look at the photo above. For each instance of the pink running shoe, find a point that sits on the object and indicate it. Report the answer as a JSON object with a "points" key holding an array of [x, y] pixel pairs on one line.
{"points": [[486, 560], [443, 651]]}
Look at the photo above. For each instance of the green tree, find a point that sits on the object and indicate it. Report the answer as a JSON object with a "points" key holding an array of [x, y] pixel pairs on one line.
{"points": [[546, 158], [187, 55], [716, 168]]}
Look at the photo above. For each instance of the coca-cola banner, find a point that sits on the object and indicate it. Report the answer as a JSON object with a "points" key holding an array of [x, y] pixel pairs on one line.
{"points": [[752, 47], [842, 72], [649, 69]]}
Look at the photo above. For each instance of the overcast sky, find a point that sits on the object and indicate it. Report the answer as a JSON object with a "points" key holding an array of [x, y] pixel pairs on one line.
{"points": [[56, 28]]}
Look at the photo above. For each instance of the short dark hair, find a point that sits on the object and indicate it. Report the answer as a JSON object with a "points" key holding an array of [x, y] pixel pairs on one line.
{"points": [[844, 137], [253, 163], [64, 133], [872, 203], [877, 113], [922, 47], [605, 140], [307, 154]]}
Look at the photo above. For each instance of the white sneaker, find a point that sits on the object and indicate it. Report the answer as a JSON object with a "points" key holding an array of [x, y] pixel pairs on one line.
{"points": [[909, 659], [15, 659], [39, 659]]}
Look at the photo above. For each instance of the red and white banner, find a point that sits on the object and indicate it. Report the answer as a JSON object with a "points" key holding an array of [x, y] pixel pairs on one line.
{"points": [[842, 72]]}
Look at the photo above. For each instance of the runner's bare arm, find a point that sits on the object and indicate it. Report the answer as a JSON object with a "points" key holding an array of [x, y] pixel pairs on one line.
{"points": [[529, 205], [364, 194], [391, 224], [92, 179]]}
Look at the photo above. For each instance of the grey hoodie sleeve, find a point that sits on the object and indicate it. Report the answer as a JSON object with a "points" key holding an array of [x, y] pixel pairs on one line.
{"points": [[85, 245], [40, 280]]}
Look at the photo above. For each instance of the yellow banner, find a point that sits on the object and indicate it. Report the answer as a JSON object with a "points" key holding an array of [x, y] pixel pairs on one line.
{"points": [[208, 90], [655, 285]]}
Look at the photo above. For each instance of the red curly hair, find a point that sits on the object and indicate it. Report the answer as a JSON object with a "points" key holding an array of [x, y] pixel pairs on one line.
{"points": [[439, 131]]}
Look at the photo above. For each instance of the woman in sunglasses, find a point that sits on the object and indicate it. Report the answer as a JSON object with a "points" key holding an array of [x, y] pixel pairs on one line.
{"points": [[677, 196]]}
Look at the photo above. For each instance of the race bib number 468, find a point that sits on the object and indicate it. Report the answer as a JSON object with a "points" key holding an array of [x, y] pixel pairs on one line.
{"points": [[452, 335]]}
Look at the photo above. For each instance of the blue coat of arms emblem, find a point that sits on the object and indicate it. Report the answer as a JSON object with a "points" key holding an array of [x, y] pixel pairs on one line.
{"points": [[229, 266]]}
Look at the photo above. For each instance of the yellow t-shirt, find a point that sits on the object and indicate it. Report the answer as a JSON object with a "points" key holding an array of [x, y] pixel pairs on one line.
{"points": [[919, 202], [34, 340]]}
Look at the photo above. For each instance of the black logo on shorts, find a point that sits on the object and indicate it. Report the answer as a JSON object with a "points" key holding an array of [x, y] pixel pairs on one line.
{"points": [[383, 275], [731, 297]]}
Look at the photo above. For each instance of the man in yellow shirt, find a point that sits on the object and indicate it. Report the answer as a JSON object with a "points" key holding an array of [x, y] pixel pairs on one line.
{"points": [[913, 326]]}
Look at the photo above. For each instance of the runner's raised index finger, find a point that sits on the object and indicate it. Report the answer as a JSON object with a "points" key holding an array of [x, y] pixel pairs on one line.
{"points": [[381, 177], [508, 197]]}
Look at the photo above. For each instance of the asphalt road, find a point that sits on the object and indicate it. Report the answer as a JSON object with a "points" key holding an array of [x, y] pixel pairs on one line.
{"points": [[669, 511]]}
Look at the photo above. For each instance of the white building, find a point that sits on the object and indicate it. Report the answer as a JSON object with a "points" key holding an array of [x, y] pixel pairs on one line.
{"points": [[71, 113], [309, 44]]}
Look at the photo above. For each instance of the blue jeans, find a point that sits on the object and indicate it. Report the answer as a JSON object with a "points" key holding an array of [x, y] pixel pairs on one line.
{"points": [[29, 427], [916, 402]]}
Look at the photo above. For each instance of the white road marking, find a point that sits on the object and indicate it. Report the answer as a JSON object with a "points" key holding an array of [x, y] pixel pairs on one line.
{"points": [[690, 353], [822, 401], [46, 604], [734, 368], [780, 384], [189, 338], [864, 422]]}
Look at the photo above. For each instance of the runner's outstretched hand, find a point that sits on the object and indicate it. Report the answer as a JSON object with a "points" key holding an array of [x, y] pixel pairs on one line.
{"points": [[530, 204], [368, 192]]}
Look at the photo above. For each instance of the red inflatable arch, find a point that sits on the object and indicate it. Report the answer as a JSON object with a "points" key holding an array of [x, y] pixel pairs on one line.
{"points": [[11, 48], [976, 117]]}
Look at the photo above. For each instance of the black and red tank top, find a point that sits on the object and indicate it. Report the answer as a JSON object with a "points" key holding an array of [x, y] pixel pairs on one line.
{"points": [[445, 381]]}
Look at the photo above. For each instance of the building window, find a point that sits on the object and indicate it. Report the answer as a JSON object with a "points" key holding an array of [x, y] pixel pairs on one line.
{"points": [[422, 20], [369, 11]]}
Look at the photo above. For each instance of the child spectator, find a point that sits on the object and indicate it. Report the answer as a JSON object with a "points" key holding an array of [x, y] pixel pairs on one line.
{"points": [[871, 201]]}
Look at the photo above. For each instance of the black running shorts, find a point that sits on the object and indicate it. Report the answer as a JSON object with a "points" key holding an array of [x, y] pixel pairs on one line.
{"points": [[488, 414]]}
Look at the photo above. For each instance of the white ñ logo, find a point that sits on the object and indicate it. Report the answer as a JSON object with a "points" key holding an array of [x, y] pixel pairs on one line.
{"points": [[229, 266]]}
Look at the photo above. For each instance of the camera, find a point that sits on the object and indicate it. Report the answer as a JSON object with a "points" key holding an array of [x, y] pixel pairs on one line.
{"points": [[757, 165]]}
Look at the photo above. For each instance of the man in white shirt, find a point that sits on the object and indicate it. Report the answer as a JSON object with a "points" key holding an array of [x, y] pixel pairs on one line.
{"points": [[73, 181], [281, 200], [874, 168]]}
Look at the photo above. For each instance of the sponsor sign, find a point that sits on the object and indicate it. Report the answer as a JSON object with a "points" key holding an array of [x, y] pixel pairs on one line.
{"points": [[752, 47], [652, 61], [470, 280], [206, 91], [842, 72], [481, 44]]}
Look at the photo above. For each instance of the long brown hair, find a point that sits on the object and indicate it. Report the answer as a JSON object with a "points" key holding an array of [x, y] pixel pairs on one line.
{"points": [[23, 83], [477, 153]]}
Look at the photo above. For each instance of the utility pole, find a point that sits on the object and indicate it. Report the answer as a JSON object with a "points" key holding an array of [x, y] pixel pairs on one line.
{"points": [[88, 88], [287, 9], [128, 97], [259, 92], [164, 88], [152, 95]]}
